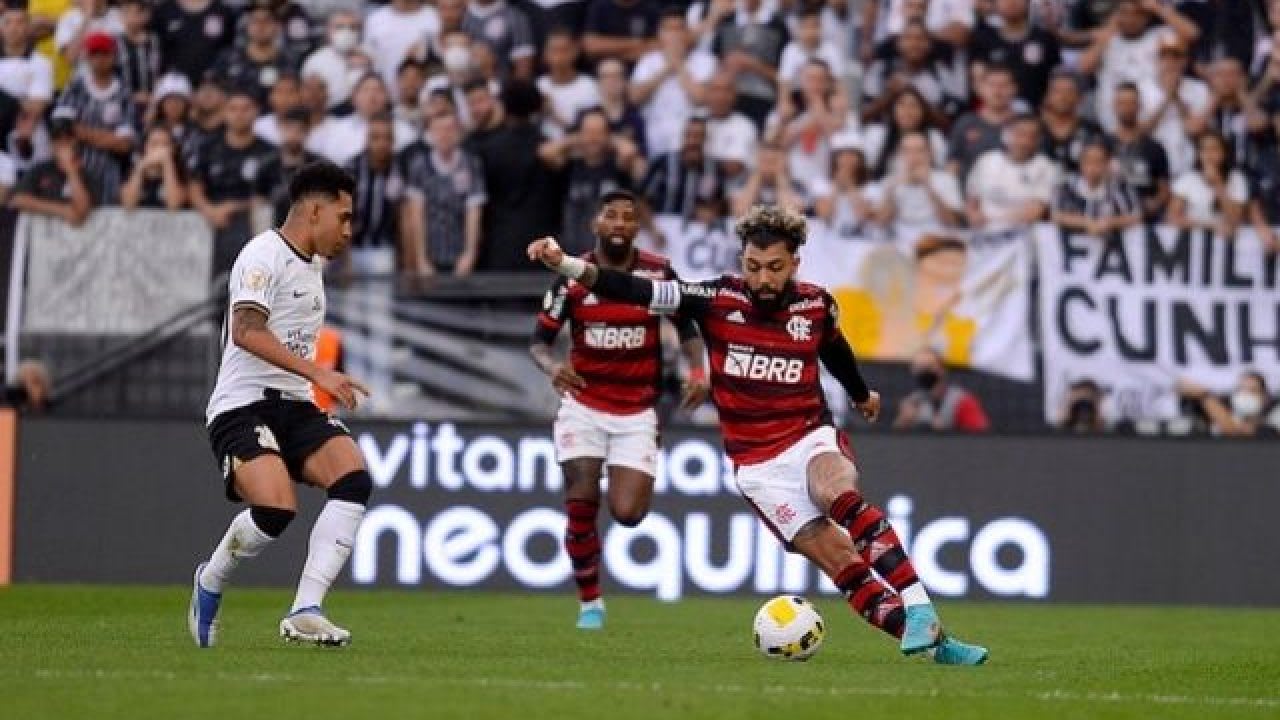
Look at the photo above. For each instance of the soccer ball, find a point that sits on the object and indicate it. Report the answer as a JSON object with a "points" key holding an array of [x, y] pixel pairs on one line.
{"points": [[789, 627]]}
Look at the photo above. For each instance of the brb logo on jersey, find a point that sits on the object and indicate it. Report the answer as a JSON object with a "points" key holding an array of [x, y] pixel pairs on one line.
{"points": [[745, 362], [603, 337]]}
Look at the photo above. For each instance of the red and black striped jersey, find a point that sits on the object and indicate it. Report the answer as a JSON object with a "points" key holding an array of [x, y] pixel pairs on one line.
{"points": [[765, 364], [617, 346]]}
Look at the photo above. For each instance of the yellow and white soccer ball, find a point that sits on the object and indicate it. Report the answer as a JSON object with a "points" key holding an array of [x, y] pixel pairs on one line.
{"points": [[789, 627]]}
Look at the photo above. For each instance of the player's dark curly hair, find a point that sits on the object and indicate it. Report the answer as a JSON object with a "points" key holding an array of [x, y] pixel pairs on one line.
{"points": [[764, 225], [321, 178]]}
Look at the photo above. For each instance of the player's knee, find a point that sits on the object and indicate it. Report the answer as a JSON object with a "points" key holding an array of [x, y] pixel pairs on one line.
{"points": [[354, 487], [271, 520], [629, 515]]}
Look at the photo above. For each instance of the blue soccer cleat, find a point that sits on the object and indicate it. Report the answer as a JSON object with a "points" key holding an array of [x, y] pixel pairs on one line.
{"points": [[921, 630], [953, 652], [591, 617], [202, 616]]}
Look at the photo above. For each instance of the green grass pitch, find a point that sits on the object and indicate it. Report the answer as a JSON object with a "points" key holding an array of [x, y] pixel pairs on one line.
{"points": [[108, 652]]}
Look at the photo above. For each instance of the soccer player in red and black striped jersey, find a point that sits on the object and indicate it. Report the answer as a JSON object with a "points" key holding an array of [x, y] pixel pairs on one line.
{"points": [[766, 335], [610, 384]]}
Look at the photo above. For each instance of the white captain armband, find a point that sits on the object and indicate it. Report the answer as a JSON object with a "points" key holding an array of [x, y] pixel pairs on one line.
{"points": [[666, 297]]}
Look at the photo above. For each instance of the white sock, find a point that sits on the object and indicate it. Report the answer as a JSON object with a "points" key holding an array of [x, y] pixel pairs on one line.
{"points": [[243, 540], [331, 540], [915, 595]]}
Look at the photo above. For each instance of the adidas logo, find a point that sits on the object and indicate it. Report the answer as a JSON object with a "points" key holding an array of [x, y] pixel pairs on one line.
{"points": [[590, 299], [735, 317]]}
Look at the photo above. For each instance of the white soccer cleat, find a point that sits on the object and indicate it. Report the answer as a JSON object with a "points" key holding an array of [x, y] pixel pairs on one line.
{"points": [[309, 625]]}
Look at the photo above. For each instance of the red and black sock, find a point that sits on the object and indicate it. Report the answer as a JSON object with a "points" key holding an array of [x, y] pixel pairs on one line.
{"points": [[871, 598], [583, 546], [874, 539]]}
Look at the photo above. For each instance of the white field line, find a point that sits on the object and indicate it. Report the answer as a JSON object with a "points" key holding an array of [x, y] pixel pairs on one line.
{"points": [[510, 683]]}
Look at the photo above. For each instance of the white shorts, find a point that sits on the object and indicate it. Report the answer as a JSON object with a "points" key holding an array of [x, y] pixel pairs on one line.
{"points": [[621, 440], [778, 488]]}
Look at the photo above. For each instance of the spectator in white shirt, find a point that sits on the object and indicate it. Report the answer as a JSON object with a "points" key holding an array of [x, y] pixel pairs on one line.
{"points": [[917, 198], [396, 30], [567, 92], [731, 136], [908, 114], [1012, 187], [1179, 104], [808, 44], [848, 202], [1214, 194], [348, 136], [285, 94], [1127, 48], [806, 120], [28, 77], [76, 23], [669, 82], [341, 62]]}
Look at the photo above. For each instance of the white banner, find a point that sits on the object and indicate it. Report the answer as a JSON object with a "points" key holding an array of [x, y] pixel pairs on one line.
{"points": [[699, 251], [967, 296], [1136, 314], [120, 273]]}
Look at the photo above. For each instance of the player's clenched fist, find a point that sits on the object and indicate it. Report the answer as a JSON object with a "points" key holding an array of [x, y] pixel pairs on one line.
{"points": [[342, 387], [547, 251], [565, 379], [870, 408]]}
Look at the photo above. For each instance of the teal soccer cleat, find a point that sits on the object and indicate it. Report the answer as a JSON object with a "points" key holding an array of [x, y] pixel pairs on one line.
{"points": [[953, 652], [591, 618], [921, 630]]}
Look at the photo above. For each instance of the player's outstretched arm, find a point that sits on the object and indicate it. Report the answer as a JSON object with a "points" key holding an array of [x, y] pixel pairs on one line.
{"points": [[664, 298], [249, 331]]}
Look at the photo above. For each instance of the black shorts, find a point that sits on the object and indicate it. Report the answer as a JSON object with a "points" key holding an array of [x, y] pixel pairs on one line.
{"points": [[291, 429]]}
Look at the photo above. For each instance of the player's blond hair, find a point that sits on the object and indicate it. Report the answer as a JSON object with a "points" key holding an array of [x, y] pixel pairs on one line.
{"points": [[764, 225]]}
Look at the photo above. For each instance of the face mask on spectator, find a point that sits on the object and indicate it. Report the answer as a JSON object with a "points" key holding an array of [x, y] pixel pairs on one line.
{"points": [[1246, 404], [345, 39], [926, 379], [457, 59]]}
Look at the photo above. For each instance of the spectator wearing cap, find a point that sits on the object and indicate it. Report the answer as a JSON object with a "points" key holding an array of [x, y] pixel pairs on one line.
{"points": [[1064, 130], [58, 187], [918, 63], [98, 106], [26, 76], [1029, 51], [158, 179], [918, 198], [1140, 160], [258, 65], [749, 44], [223, 176], [938, 404], [525, 193], [621, 29], [1012, 187], [445, 201], [847, 203], [139, 60], [669, 82], [565, 91], [271, 187], [596, 162], [731, 136], [340, 62], [506, 31], [1094, 200], [191, 33], [285, 95], [1127, 48], [84, 18], [978, 132], [397, 30]]}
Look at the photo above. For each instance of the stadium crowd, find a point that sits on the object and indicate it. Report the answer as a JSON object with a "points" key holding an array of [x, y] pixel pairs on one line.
{"points": [[474, 125]]}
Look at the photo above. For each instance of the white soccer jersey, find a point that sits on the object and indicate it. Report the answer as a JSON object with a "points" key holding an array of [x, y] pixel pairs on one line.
{"points": [[270, 275]]}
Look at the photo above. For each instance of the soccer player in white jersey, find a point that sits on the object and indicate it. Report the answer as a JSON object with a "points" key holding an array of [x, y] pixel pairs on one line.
{"points": [[263, 426]]}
